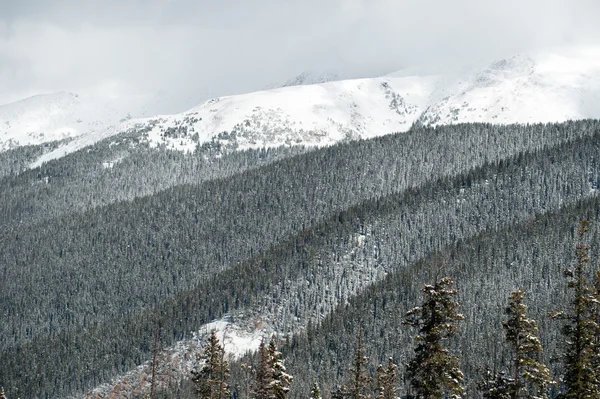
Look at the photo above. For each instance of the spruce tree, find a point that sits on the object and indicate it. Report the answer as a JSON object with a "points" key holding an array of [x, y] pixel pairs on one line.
{"points": [[435, 371], [581, 379], [359, 386], [530, 378], [212, 377], [495, 386], [315, 391], [263, 374], [338, 393], [387, 380], [280, 379]]}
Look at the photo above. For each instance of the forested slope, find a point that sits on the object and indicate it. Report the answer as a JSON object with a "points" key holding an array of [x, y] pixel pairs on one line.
{"points": [[294, 239], [124, 166], [532, 255]]}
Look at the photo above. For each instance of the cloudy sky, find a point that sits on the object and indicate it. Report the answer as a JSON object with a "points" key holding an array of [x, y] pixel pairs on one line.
{"points": [[194, 49]]}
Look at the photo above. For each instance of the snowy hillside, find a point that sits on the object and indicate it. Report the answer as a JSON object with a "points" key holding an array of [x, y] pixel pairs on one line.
{"points": [[311, 78], [52, 117], [542, 87], [312, 115]]}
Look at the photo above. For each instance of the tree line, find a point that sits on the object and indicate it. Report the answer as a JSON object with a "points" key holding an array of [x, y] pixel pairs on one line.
{"points": [[434, 370]]}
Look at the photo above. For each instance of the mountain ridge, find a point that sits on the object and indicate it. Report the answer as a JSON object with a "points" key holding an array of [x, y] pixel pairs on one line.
{"points": [[552, 86]]}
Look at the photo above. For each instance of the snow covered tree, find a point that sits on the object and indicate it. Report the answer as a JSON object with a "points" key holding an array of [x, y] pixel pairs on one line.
{"points": [[581, 379], [315, 391], [434, 370], [280, 379], [496, 386], [387, 380], [359, 386], [212, 376], [531, 378], [263, 375]]}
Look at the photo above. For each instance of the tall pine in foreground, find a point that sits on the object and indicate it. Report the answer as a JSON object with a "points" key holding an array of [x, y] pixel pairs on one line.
{"points": [[581, 379], [496, 385], [435, 371], [359, 387], [212, 377], [315, 391], [386, 381], [530, 378], [263, 374], [281, 381]]}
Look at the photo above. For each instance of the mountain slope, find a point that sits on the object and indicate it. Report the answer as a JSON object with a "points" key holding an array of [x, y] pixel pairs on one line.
{"points": [[542, 87], [52, 117], [266, 240], [313, 115]]}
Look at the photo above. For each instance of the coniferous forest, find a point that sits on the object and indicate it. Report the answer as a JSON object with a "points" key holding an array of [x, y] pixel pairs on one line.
{"points": [[456, 261]]}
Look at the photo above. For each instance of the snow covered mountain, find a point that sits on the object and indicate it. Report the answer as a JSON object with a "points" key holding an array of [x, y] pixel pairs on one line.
{"points": [[64, 115], [312, 115], [311, 78], [51, 117], [541, 87]]}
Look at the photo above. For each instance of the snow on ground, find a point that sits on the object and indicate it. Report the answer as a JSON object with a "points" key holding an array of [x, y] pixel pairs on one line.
{"points": [[238, 338], [549, 86], [311, 115]]}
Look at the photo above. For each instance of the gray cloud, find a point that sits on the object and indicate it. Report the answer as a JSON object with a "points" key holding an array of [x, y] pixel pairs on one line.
{"points": [[202, 48]]}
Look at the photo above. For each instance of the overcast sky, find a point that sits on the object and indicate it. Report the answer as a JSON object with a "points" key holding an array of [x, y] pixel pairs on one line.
{"points": [[201, 48]]}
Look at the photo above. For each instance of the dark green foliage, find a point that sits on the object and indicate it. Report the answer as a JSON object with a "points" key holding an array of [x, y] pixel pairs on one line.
{"points": [[212, 375], [281, 380], [531, 378], [315, 392], [263, 375], [435, 370], [359, 386], [496, 386], [387, 380], [581, 330], [294, 238], [488, 266]]}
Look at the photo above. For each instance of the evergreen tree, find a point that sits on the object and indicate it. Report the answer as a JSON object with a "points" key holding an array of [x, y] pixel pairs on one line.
{"points": [[338, 393], [387, 380], [359, 386], [263, 374], [496, 386], [315, 392], [531, 378], [434, 370], [581, 379], [280, 379], [212, 377]]}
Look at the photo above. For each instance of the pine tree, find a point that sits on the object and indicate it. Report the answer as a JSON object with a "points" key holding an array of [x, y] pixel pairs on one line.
{"points": [[387, 380], [281, 380], [212, 378], [531, 378], [263, 375], [434, 370], [581, 379], [359, 386], [496, 386], [315, 392], [338, 393]]}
